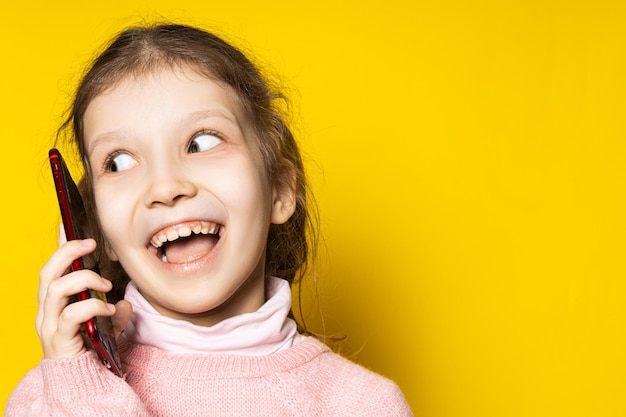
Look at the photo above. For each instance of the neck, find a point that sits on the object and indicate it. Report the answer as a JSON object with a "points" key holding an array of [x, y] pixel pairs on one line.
{"points": [[266, 330], [247, 299]]}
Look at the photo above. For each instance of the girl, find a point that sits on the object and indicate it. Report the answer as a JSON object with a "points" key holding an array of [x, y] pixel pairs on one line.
{"points": [[195, 192]]}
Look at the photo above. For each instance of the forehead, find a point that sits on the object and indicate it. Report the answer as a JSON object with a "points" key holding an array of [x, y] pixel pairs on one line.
{"points": [[152, 96]]}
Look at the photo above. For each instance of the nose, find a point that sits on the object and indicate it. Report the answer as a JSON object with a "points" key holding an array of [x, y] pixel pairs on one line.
{"points": [[168, 184]]}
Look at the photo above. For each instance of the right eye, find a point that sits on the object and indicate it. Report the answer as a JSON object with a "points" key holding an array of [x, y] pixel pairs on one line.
{"points": [[120, 162]]}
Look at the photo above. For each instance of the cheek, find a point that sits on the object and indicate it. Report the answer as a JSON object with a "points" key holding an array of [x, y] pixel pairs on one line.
{"points": [[111, 210], [244, 187]]}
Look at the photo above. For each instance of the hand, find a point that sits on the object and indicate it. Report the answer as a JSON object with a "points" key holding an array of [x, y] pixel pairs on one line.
{"points": [[58, 324]]}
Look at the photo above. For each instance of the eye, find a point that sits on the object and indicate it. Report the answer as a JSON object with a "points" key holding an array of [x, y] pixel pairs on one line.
{"points": [[203, 141], [120, 162]]}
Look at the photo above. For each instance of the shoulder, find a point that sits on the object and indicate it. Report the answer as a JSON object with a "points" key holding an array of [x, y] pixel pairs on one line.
{"points": [[351, 389], [25, 395], [53, 379]]}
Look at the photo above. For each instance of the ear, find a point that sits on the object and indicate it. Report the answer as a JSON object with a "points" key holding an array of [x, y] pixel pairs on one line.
{"points": [[284, 195]]}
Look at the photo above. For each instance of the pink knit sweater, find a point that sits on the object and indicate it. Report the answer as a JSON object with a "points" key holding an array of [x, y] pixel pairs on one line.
{"points": [[304, 380]]}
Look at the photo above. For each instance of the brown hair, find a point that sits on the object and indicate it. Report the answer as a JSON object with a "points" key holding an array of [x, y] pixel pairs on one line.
{"points": [[140, 50]]}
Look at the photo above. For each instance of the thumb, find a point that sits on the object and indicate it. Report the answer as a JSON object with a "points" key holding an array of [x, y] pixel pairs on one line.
{"points": [[61, 238], [123, 311]]}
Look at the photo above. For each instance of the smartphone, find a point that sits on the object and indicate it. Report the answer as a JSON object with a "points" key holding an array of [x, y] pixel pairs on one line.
{"points": [[98, 330]]}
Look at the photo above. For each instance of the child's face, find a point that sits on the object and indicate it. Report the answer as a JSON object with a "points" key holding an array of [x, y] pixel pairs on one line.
{"points": [[172, 155]]}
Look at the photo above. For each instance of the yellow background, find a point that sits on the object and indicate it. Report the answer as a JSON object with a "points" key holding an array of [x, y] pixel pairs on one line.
{"points": [[468, 159]]}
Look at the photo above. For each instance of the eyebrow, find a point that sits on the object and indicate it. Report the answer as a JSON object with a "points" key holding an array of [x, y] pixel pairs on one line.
{"points": [[211, 113], [195, 116], [103, 138], [230, 124]]}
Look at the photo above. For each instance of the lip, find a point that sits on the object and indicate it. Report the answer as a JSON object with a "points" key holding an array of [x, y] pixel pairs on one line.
{"points": [[171, 233], [192, 266]]}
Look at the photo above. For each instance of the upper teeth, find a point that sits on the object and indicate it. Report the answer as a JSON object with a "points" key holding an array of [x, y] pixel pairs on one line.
{"points": [[172, 233]]}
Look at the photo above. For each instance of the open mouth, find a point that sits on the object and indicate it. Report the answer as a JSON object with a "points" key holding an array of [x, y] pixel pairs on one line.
{"points": [[186, 242]]}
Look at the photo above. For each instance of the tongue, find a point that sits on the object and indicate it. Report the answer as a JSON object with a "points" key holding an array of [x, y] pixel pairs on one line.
{"points": [[189, 249]]}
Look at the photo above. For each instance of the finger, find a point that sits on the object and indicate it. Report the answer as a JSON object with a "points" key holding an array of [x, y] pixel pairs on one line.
{"points": [[75, 314], [59, 291], [66, 341], [60, 261], [123, 311]]}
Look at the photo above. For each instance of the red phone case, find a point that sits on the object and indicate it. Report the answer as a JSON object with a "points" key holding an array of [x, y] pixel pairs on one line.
{"points": [[99, 330]]}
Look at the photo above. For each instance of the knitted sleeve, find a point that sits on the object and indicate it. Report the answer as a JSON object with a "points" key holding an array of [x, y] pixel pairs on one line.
{"points": [[73, 387], [352, 390], [370, 395]]}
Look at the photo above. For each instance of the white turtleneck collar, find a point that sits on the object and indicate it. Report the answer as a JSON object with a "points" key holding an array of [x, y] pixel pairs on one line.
{"points": [[263, 332]]}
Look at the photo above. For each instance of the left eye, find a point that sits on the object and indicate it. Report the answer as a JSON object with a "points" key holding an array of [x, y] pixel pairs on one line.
{"points": [[203, 142]]}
